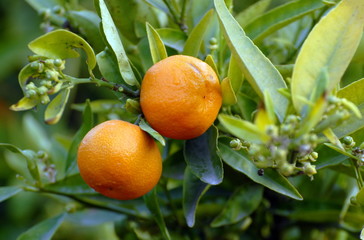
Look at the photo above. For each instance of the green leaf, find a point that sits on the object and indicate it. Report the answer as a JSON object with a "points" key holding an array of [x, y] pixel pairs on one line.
{"points": [[71, 185], [202, 158], [93, 217], [8, 192], [43, 230], [194, 40], [353, 92], [29, 157], [173, 38], [243, 129], [87, 124], [228, 94], [145, 127], [54, 110], [271, 178], [43, 4], [330, 46], [112, 36], [24, 75], [252, 12], [108, 66], [25, 104], [234, 74], [241, 204], [61, 44], [342, 151], [157, 48], [279, 17], [328, 157], [211, 62], [151, 201], [360, 197], [257, 69], [351, 125], [193, 189]]}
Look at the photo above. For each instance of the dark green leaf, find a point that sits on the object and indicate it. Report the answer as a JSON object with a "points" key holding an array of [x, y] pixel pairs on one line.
{"points": [[173, 38], [43, 230], [71, 185], [157, 48], [54, 110], [241, 204], [193, 189], [271, 178], [8, 192], [145, 127], [151, 201], [87, 124], [202, 158], [257, 69], [108, 66], [93, 217]]}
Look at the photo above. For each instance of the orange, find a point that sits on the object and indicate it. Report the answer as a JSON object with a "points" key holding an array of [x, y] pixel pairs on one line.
{"points": [[119, 160], [180, 97]]}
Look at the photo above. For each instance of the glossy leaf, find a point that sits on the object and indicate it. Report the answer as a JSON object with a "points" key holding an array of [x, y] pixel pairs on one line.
{"points": [[8, 192], [194, 40], [113, 39], [145, 127], [54, 110], [252, 12], [257, 69], [241, 204], [328, 157], [71, 185], [352, 92], [87, 124], [243, 129], [235, 74], [211, 62], [43, 230], [279, 17], [25, 104], [228, 94], [342, 151], [193, 189], [108, 66], [93, 217], [173, 38], [329, 47], [271, 178], [61, 44], [157, 48], [151, 201], [202, 158]]}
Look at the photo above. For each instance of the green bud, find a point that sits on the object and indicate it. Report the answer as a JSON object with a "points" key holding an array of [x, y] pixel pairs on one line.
{"points": [[287, 129], [314, 155], [30, 93], [292, 119], [309, 169], [235, 144], [40, 67], [34, 65], [49, 63], [42, 90], [58, 63], [44, 99], [52, 75], [254, 149], [45, 13], [333, 100], [58, 10], [42, 154], [286, 169], [213, 41], [348, 142]]}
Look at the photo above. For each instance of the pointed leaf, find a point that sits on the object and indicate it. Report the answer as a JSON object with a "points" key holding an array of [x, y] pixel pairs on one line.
{"points": [[330, 45], [202, 158], [271, 178], [61, 44], [87, 124], [151, 201], [235, 74], [145, 127], [257, 69], [8, 192], [241, 204], [25, 104], [193, 189], [24, 75], [194, 40], [113, 39], [243, 129], [54, 110], [157, 48], [353, 92], [211, 62], [43, 230], [228, 94]]}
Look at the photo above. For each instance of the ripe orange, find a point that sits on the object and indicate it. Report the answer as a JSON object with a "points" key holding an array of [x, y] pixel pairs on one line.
{"points": [[180, 97], [119, 160]]}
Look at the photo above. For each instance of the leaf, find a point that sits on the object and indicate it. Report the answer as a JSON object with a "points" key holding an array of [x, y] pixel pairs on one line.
{"points": [[330, 46], [228, 94], [108, 66], [145, 127], [25, 104], [243, 129], [360, 197], [241, 204], [351, 125], [257, 69], [194, 40], [112, 36], [173, 38], [202, 158], [93, 217], [8, 192], [43, 4], [342, 151], [24, 75], [151, 201], [234, 74], [157, 48], [43, 230], [87, 124], [271, 178], [61, 44], [328, 157], [211, 62], [54, 110], [352, 92], [71, 185], [279, 17], [193, 189], [252, 12]]}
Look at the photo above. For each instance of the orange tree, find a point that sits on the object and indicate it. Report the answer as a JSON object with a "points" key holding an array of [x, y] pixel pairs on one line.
{"points": [[282, 159]]}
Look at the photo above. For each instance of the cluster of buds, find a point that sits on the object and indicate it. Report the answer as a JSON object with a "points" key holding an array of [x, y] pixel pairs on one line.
{"points": [[349, 144], [286, 152], [52, 17]]}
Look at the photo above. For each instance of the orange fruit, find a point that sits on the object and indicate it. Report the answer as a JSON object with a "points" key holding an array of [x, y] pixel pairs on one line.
{"points": [[119, 160], [180, 97]]}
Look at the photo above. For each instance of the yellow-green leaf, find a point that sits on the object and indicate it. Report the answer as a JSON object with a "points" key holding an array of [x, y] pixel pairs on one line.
{"points": [[157, 48], [25, 104], [228, 95], [54, 110]]}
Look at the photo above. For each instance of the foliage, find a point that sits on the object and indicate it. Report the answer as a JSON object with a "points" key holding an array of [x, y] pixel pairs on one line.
{"points": [[284, 159]]}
